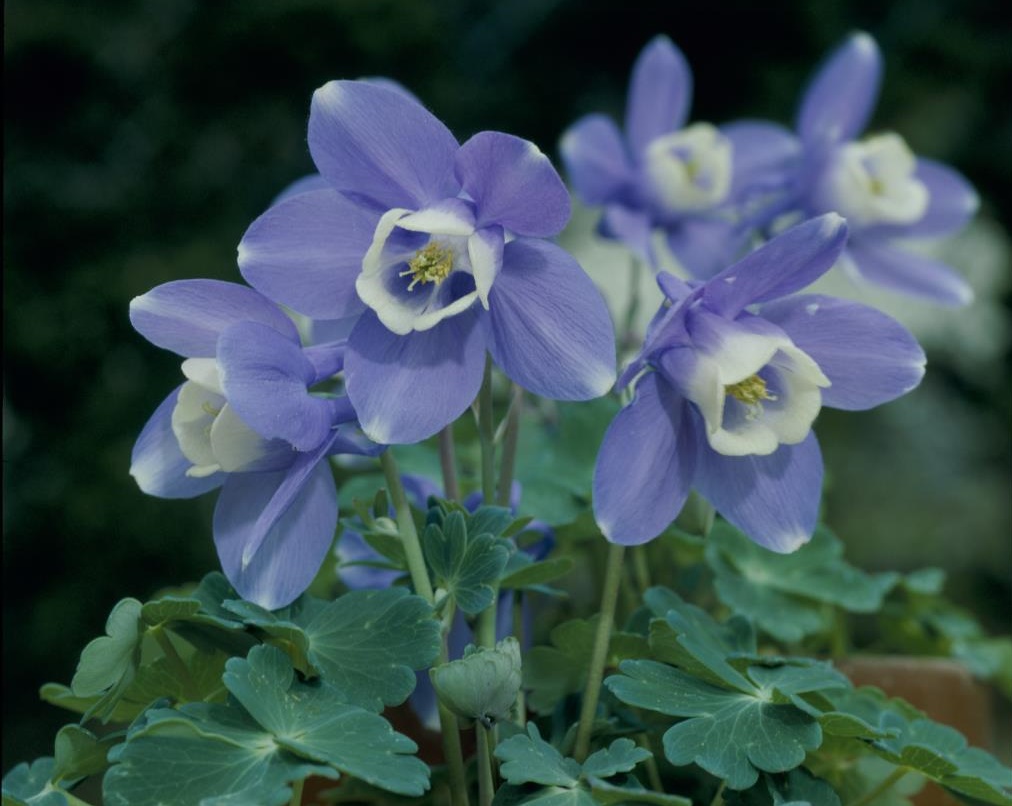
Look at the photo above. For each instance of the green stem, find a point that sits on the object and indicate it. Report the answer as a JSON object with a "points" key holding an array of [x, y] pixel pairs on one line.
{"points": [[884, 785], [653, 772], [452, 750], [641, 568], [718, 798], [486, 436], [838, 638], [509, 446], [406, 526], [486, 786], [296, 799], [446, 460], [518, 631], [599, 656], [632, 308], [178, 666]]}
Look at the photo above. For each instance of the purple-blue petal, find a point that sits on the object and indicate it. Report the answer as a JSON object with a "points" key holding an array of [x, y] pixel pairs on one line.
{"points": [[892, 267], [187, 316], [157, 464], [705, 246], [952, 202], [307, 251], [869, 357], [406, 388], [840, 98], [352, 548], [660, 92], [301, 185], [513, 184], [549, 327], [783, 265], [645, 465], [375, 143], [298, 509], [327, 359], [596, 160], [631, 227], [266, 380], [773, 499], [762, 155]]}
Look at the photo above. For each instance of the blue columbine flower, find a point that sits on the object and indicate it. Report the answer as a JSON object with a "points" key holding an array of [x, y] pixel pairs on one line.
{"points": [[438, 249], [245, 420], [731, 377], [693, 182], [883, 190]]}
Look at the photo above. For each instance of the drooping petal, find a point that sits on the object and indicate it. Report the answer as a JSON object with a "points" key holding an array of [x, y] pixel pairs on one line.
{"points": [[596, 160], [159, 466], [302, 185], [327, 358], [266, 380], [952, 202], [373, 142], [445, 217], [274, 530], [513, 184], [908, 273], [485, 250], [773, 499], [705, 246], [631, 227], [786, 264], [869, 357], [840, 99], [406, 388], [306, 252], [549, 328], [645, 466], [762, 154], [187, 316], [660, 92]]}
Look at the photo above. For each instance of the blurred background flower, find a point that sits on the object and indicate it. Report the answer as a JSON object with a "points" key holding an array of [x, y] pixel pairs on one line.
{"points": [[142, 138]]}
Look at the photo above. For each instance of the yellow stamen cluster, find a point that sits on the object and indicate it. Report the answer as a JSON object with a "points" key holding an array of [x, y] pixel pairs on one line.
{"points": [[431, 264], [752, 392]]}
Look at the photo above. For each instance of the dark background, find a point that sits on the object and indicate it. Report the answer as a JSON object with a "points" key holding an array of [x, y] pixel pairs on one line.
{"points": [[142, 137]]}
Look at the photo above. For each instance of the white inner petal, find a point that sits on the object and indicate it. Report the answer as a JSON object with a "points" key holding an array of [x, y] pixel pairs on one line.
{"points": [[873, 182], [236, 446], [690, 170], [192, 418]]}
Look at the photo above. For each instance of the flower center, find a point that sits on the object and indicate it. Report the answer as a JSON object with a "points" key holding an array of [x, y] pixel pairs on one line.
{"points": [[431, 264], [752, 392]]}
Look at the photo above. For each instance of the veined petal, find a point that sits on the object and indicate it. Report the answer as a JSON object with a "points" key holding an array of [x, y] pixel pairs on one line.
{"points": [[739, 348], [952, 202], [306, 251], [697, 379], [266, 380], [159, 466], [840, 99], [892, 267], [373, 142], [869, 357], [406, 388], [645, 466], [513, 184], [274, 530], [660, 92], [187, 316], [596, 160], [786, 264], [549, 328], [327, 358], [485, 250], [773, 499]]}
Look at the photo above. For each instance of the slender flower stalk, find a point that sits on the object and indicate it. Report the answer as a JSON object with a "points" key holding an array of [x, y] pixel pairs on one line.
{"points": [[887, 784], [447, 461], [511, 438], [450, 730], [486, 438], [406, 526], [296, 799], [609, 598], [486, 785]]}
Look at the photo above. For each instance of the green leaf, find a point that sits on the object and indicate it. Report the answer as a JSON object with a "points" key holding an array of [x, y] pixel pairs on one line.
{"points": [[607, 793], [784, 593], [483, 684], [78, 754], [530, 574], [466, 565], [732, 734], [366, 643], [488, 520], [796, 788], [313, 722], [530, 759], [553, 672], [108, 664], [29, 785], [620, 756], [508, 795]]}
